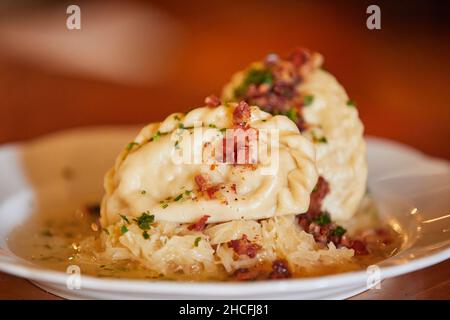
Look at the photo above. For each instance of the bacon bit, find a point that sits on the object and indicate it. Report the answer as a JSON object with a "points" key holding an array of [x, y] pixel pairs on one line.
{"points": [[212, 101], [233, 188], [205, 186], [299, 57], [244, 246], [241, 114], [201, 182], [280, 270], [245, 274], [320, 191], [359, 247], [200, 224], [211, 191], [212, 167]]}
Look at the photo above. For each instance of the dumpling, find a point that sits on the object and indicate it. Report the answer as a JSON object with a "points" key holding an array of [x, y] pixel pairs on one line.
{"points": [[178, 169], [298, 88]]}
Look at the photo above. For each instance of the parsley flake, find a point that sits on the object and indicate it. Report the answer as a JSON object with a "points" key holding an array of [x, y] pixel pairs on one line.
{"points": [[351, 103], [145, 220], [197, 240], [323, 219], [124, 218], [308, 100], [339, 231], [131, 145], [123, 229]]}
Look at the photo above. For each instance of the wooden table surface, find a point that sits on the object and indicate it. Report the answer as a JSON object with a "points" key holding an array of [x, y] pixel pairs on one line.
{"points": [[398, 75]]}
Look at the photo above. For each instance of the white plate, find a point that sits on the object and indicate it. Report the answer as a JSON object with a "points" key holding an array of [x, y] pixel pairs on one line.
{"points": [[400, 179]]}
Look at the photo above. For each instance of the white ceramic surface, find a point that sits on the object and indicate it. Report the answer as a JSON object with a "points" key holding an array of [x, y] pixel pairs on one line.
{"points": [[400, 179]]}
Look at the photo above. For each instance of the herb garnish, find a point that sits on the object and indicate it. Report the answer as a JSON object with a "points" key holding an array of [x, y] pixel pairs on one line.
{"points": [[323, 219], [308, 100], [145, 220], [339, 231], [123, 229], [164, 205], [197, 240], [143, 191], [145, 235], [351, 103], [212, 125], [124, 218], [292, 114], [156, 136], [178, 197], [254, 76], [316, 139], [131, 145]]}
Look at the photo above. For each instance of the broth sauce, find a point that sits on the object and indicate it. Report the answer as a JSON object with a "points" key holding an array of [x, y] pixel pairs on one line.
{"points": [[53, 241]]}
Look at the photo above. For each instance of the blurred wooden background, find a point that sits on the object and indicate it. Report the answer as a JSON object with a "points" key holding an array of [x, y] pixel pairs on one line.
{"points": [[398, 75]]}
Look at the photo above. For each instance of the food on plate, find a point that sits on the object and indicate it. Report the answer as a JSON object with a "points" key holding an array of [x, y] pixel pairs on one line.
{"points": [[299, 88], [267, 182]]}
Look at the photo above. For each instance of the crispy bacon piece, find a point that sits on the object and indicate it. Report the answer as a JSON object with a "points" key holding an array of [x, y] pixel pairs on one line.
{"points": [[241, 114], [204, 186], [200, 224], [201, 182], [359, 247], [211, 191], [245, 274], [280, 270], [244, 246], [212, 101], [299, 57], [320, 191]]}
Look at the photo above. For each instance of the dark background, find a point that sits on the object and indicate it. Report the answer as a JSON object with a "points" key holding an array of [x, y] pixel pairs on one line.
{"points": [[52, 78]]}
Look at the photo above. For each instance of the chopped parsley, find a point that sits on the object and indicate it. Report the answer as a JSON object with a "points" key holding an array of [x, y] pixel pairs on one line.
{"points": [[212, 125], [176, 117], [131, 145], [351, 103], [156, 136], [145, 235], [323, 219], [145, 220], [197, 240], [178, 197], [292, 114], [123, 229], [223, 130], [254, 76], [181, 125], [124, 218], [317, 139], [164, 205], [339, 231], [188, 192], [308, 100], [143, 191], [177, 144]]}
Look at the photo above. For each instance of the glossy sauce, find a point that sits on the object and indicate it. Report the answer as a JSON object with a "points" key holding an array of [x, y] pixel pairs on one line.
{"points": [[53, 242]]}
